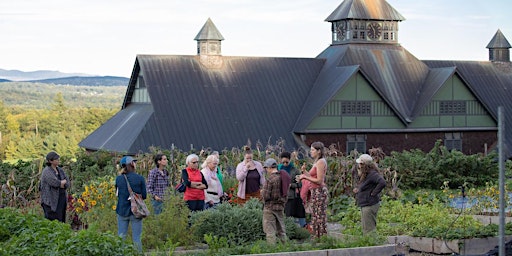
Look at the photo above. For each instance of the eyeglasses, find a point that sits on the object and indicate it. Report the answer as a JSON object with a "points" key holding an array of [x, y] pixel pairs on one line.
{"points": [[194, 162]]}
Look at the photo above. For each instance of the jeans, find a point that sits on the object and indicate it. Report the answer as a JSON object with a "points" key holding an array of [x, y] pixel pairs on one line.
{"points": [[157, 206], [122, 229]]}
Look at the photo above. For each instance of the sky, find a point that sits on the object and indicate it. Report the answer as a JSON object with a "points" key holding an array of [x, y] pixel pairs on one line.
{"points": [[103, 37]]}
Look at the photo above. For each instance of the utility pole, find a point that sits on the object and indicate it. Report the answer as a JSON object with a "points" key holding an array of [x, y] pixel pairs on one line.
{"points": [[501, 132]]}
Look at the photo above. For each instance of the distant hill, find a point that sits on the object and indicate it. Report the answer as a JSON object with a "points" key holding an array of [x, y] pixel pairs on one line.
{"points": [[4, 80], [18, 75], [86, 81]]}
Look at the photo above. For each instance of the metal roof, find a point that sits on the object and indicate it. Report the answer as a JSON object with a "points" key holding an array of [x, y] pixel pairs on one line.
{"points": [[492, 84], [250, 98], [498, 41], [209, 32], [123, 131], [365, 10], [393, 72]]}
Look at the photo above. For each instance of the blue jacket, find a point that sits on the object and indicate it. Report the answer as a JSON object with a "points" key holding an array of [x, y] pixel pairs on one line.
{"points": [[138, 185]]}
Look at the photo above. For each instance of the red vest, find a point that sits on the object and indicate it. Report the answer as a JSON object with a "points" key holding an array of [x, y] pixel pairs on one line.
{"points": [[194, 193]]}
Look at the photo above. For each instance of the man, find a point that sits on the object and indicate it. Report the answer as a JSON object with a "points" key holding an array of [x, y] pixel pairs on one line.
{"points": [[274, 201]]}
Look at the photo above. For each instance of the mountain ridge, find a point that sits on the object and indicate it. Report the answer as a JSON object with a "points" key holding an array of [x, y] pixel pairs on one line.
{"points": [[57, 77]]}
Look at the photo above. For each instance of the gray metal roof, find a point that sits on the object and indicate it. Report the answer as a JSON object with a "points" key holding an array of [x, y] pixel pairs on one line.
{"points": [[498, 41], [256, 99], [209, 32], [123, 132], [492, 84], [394, 73], [365, 10]]}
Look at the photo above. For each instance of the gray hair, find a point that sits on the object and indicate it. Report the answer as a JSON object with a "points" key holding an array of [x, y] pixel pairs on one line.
{"points": [[190, 158]]}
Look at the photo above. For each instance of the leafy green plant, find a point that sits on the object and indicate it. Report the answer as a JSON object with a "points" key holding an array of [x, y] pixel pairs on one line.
{"points": [[34, 235], [240, 224]]}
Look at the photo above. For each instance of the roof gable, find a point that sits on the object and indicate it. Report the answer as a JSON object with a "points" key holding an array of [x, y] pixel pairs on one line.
{"points": [[491, 83], [396, 74], [196, 106]]}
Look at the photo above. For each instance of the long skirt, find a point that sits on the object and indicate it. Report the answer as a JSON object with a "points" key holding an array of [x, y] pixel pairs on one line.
{"points": [[295, 208], [248, 196], [318, 222]]}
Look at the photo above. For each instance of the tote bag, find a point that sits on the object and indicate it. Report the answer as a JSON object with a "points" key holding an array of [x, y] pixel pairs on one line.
{"points": [[138, 207]]}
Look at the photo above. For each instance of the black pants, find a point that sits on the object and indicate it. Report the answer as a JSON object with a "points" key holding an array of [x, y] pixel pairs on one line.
{"points": [[60, 213], [195, 205]]}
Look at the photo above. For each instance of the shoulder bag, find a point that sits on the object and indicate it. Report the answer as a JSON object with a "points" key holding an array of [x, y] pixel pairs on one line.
{"points": [[181, 187], [139, 208]]}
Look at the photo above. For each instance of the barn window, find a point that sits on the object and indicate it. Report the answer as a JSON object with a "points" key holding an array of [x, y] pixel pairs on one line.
{"points": [[357, 142], [453, 141]]}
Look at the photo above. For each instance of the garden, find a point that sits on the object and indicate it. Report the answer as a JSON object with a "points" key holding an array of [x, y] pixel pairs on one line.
{"points": [[417, 202]]}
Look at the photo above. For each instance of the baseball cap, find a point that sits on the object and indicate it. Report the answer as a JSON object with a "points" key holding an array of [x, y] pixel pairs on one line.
{"points": [[364, 159], [127, 160], [271, 162]]}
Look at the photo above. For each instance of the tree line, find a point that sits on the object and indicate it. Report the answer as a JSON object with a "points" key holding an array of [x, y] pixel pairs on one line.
{"points": [[27, 132]]}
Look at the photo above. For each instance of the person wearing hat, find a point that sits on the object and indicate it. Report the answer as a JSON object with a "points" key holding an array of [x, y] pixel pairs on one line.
{"points": [[274, 200], [53, 185], [123, 209], [370, 185]]}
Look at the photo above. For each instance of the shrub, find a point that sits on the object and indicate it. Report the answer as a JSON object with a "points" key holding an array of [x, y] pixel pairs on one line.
{"points": [[239, 224], [34, 235], [169, 228]]}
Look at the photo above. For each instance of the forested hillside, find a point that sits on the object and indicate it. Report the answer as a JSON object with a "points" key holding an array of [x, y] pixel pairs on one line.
{"points": [[40, 95], [37, 118]]}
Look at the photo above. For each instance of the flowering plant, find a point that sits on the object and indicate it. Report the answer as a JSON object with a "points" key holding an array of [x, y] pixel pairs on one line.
{"points": [[98, 195]]}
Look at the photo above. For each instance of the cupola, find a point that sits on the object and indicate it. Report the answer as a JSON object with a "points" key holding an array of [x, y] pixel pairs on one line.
{"points": [[364, 21], [499, 48], [209, 40]]}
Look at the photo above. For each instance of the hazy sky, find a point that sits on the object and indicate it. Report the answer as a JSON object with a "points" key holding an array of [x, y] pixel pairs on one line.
{"points": [[103, 37]]}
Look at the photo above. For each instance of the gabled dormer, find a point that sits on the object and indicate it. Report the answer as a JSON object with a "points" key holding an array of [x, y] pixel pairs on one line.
{"points": [[364, 21], [499, 48], [209, 40]]}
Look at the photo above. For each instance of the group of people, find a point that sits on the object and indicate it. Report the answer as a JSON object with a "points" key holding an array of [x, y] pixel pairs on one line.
{"points": [[283, 189]]}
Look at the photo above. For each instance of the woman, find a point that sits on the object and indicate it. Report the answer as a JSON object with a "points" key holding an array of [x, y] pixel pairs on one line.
{"points": [[219, 169], [314, 190], [158, 181], [195, 182], [251, 178], [214, 191], [124, 212], [294, 207], [53, 185], [371, 183]]}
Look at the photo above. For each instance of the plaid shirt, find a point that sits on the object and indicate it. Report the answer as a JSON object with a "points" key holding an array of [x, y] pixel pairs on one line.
{"points": [[158, 183], [272, 194]]}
